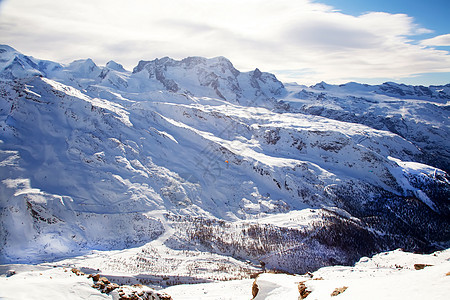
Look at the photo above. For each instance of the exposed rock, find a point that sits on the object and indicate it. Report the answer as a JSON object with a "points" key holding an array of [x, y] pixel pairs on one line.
{"points": [[421, 266], [338, 291], [77, 272], [303, 290], [255, 289], [95, 277], [111, 287], [135, 292], [104, 280]]}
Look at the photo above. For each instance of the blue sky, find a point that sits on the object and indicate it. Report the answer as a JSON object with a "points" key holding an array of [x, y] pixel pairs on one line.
{"points": [[306, 41], [432, 14]]}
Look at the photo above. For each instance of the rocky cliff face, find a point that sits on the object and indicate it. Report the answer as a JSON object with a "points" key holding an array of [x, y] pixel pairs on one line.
{"points": [[193, 155]]}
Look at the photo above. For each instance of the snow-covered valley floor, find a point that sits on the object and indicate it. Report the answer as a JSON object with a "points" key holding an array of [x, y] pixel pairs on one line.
{"points": [[389, 275]]}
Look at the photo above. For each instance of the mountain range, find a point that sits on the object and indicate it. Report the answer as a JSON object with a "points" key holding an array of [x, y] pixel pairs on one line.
{"points": [[190, 170]]}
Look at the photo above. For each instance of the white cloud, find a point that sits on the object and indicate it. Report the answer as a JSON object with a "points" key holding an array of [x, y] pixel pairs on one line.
{"points": [[308, 39], [440, 40]]}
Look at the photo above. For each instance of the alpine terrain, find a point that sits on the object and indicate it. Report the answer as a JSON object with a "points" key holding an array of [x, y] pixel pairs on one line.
{"points": [[191, 171]]}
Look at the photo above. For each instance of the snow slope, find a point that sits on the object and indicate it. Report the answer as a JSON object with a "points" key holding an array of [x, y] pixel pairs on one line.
{"points": [[389, 275], [34, 282], [41, 282], [180, 160]]}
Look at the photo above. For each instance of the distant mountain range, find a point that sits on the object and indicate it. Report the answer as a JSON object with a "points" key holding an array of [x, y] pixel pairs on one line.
{"points": [[178, 159]]}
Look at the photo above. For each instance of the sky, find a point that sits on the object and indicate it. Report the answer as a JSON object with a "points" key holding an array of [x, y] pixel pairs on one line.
{"points": [[306, 41]]}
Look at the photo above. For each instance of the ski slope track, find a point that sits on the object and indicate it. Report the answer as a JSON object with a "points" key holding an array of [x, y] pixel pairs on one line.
{"points": [[191, 171]]}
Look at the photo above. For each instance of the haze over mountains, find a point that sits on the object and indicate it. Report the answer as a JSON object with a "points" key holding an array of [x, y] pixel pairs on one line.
{"points": [[192, 168]]}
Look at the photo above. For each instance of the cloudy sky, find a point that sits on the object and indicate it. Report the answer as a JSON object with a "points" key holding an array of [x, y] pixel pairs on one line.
{"points": [[299, 40]]}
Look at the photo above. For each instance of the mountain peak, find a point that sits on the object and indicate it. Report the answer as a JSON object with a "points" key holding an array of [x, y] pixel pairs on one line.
{"points": [[6, 48], [115, 66], [152, 64], [82, 62], [192, 61], [13, 64], [84, 68]]}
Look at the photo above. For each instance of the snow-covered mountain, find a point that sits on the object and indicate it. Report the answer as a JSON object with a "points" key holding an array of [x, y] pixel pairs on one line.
{"points": [[191, 168], [417, 113]]}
